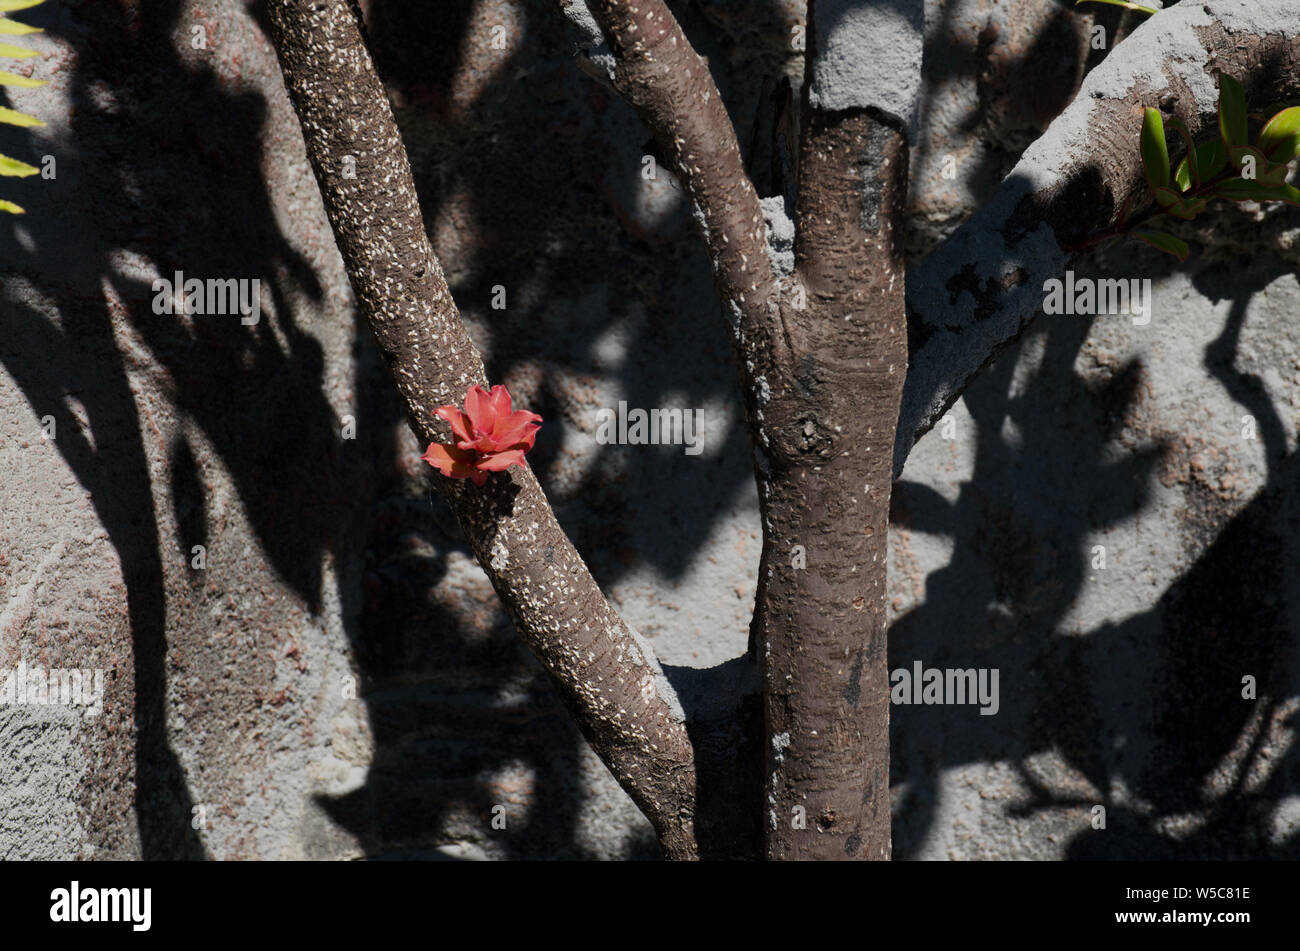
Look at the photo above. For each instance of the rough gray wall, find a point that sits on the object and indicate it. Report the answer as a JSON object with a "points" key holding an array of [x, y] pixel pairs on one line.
{"points": [[232, 707]]}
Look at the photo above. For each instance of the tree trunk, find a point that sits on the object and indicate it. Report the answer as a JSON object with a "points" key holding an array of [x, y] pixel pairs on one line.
{"points": [[824, 494]]}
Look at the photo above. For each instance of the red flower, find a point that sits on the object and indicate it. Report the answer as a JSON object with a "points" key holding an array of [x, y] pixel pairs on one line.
{"points": [[490, 437]]}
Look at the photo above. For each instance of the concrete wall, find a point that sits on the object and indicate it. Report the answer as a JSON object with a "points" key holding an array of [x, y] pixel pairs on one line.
{"points": [[339, 681]]}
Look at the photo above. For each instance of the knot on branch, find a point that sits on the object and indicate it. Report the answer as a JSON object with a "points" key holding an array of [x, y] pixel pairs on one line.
{"points": [[800, 438]]}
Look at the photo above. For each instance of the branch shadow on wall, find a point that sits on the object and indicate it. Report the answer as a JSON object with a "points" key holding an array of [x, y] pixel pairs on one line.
{"points": [[538, 171], [1141, 714], [538, 167], [161, 173]]}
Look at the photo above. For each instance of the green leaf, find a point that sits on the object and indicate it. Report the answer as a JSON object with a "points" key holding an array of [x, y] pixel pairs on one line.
{"points": [[1243, 189], [1248, 157], [1280, 137], [1183, 177], [1165, 242], [1166, 197], [13, 167], [1232, 111], [13, 79], [9, 6], [1126, 4], [11, 207], [10, 27], [1240, 156], [1275, 175], [1212, 158], [14, 117], [1155, 154], [1187, 208], [1195, 167], [16, 52]]}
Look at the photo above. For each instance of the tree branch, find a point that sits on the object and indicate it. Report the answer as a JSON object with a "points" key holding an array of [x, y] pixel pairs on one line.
{"points": [[652, 65], [980, 290], [823, 362], [605, 673]]}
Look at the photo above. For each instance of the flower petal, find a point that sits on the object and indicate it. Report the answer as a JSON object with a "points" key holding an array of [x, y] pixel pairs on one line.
{"points": [[500, 461], [526, 441], [482, 445], [460, 424], [516, 430], [478, 407], [500, 399], [450, 461]]}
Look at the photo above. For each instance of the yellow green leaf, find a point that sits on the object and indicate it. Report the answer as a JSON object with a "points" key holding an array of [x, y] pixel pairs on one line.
{"points": [[13, 79], [9, 6], [1192, 158], [11, 166], [1155, 154], [10, 27], [1212, 158], [1280, 137], [11, 207], [14, 117], [15, 52], [1232, 111]]}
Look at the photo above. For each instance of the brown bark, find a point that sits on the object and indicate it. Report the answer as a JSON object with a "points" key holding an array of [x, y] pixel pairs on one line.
{"points": [[830, 430], [822, 363], [606, 676]]}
